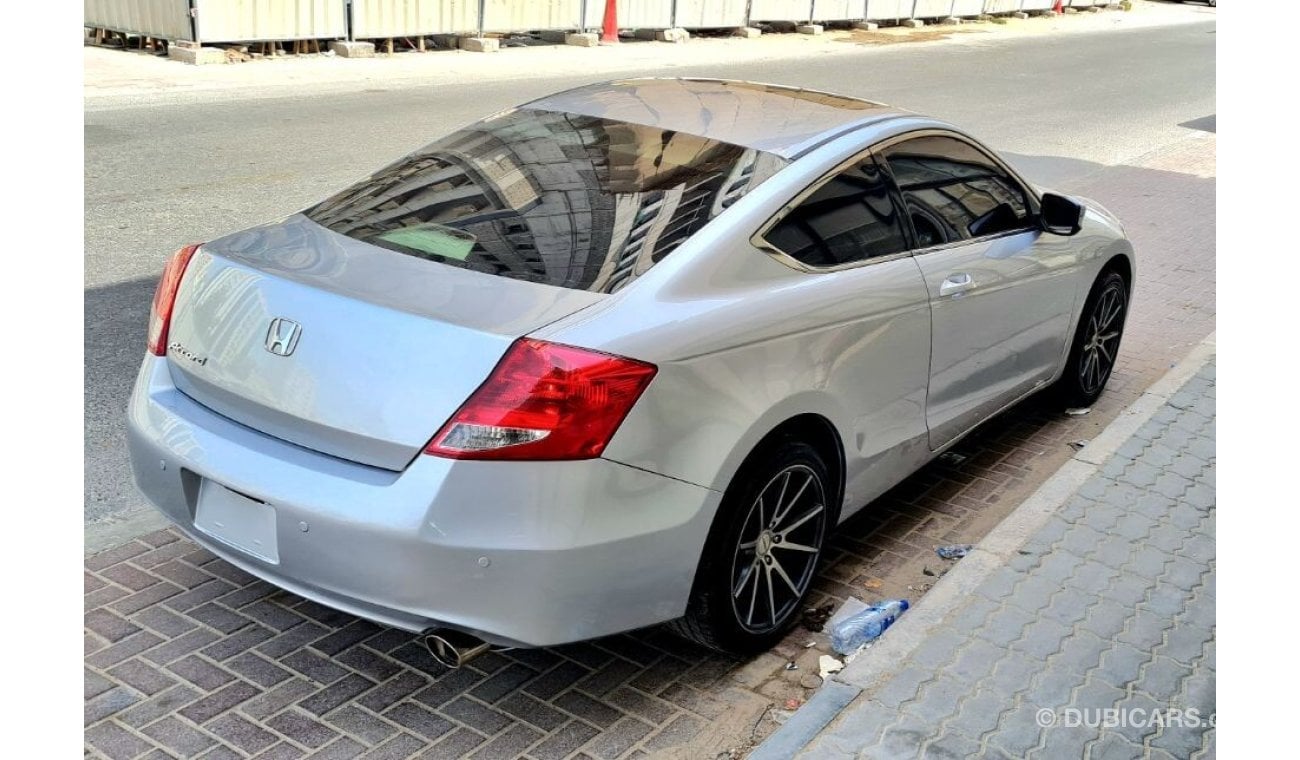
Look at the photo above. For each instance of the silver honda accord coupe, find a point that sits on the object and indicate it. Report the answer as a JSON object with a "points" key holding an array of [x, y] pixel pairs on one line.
{"points": [[619, 356]]}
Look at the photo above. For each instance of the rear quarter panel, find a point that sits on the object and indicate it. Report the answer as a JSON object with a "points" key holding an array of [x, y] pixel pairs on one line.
{"points": [[744, 342]]}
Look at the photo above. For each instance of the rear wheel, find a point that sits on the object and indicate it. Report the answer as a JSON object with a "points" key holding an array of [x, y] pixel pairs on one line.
{"points": [[1096, 341], [762, 553]]}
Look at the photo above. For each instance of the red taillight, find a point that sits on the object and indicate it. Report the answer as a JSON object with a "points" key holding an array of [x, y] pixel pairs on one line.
{"points": [[164, 298], [544, 401]]}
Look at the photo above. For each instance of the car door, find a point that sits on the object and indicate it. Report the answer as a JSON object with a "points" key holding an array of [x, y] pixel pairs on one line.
{"points": [[1000, 301], [873, 354]]}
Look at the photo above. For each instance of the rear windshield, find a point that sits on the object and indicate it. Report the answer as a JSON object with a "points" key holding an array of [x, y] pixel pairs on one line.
{"points": [[575, 201]]}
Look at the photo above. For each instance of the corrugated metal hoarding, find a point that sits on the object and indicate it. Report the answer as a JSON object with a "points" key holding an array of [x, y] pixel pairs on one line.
{"points": [[254, 20], [513, 15], [706, 14], [381, 19], [780, 10], [932, 9], [164, 19], [888, 10], [1001, 6], [838, 10], [634, 14], [963, 8], [1036, 5]]}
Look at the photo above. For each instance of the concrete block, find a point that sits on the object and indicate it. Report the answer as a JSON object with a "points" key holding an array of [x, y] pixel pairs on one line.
{"points": [[196, 55], [810, 29], [480, 44], [1020, 15], [950, 21], [1093, 9], [582, 39], [866, 26], [748, 32], [912, 23], [1070, 11], [351, 49], [663, 35]]}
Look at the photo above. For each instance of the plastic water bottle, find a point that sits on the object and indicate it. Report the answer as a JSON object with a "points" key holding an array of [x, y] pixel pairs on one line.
{"points": [[867, 625]]}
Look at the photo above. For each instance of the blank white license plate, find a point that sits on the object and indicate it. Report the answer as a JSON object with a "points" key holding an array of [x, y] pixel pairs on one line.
{"points": [[235, 519]]}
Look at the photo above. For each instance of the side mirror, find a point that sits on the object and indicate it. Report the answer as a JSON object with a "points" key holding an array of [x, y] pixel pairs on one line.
{"points": [[1060, 215]]}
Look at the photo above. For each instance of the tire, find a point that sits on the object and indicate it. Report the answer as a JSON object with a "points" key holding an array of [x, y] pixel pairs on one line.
{"points": [[1096, 341], [762, 554]]}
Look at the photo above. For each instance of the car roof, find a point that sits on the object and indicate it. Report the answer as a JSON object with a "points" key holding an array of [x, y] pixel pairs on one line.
{"points": [[787, 121]]}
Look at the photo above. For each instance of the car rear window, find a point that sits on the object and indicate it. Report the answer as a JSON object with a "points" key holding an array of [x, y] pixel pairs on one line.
{"points": [[574, 201]]}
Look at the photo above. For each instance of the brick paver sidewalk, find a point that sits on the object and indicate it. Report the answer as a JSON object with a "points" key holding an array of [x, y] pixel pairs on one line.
{"points": [[1101, 628]]}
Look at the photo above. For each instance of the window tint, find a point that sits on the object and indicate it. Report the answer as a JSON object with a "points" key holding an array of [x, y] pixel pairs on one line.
{"points": [[574, 201], [954, 192], [849, 218]]}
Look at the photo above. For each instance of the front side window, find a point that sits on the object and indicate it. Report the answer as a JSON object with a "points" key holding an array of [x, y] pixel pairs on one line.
{"points": [[573, 201], [954, 192], [849, 218]]}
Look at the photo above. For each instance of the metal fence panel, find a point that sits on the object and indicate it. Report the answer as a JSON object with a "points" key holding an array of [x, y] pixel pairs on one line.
{"points": [[380, 19], [164, 19], [634, 14], [706, 14], [1084, 3], [1001, 6], [889, 10], [1037, 5], [838, 10], [932, 9], [962, 8], [253, 20], [514, 15], [779, 10]]}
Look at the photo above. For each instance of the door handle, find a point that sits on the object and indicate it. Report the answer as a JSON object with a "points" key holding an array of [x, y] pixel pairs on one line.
{"points": [[956, 284]]}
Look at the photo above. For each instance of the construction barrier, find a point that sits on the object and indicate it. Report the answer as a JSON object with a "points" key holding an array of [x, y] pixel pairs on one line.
{"points": [[269, 20], [710, 14], [279, 20], [382, 19], [163, 19]]}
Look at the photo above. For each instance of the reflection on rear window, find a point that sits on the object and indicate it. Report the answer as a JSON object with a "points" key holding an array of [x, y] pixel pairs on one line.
{"points": [[556, 198]]}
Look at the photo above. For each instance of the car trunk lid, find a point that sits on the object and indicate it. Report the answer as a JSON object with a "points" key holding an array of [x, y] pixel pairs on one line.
{"points": [[341, 346]]}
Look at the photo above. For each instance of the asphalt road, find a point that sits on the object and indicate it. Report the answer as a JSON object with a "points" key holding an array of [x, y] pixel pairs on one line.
{"points": [[1061, 109]]}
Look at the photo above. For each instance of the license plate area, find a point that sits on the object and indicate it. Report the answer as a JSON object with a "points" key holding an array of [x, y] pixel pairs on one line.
{"points": [[237, 521]]}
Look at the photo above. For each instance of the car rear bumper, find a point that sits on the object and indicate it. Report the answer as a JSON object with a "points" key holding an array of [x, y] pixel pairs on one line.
{"points": [[518, 553]]}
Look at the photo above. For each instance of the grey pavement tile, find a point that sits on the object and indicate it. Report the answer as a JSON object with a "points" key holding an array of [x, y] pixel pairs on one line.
{"points": [[1113, 747], [512, 742], [457, 744], [360, 724]]}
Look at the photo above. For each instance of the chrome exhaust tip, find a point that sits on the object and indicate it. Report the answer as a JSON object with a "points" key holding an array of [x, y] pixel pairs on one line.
{"points": [[453, 649]]}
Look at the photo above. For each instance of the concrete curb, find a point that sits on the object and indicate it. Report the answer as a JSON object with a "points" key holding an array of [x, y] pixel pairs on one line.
{"points": [[878, 664]]}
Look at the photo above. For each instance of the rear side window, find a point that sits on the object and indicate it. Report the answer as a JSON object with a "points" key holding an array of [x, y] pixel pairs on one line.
{"points": [[954, 192], [573, 201], [849, 218]]}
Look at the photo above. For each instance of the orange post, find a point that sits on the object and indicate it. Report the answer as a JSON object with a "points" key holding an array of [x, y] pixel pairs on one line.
{"points": [[609, 31]]}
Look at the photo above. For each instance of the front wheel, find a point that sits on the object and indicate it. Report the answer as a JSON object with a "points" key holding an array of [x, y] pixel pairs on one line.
{"points": [[1096, 341], [762, 552]]}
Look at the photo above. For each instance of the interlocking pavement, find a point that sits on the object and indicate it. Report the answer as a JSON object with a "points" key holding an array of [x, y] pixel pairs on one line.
{"points": [[1097, 640], [187, 656]]}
